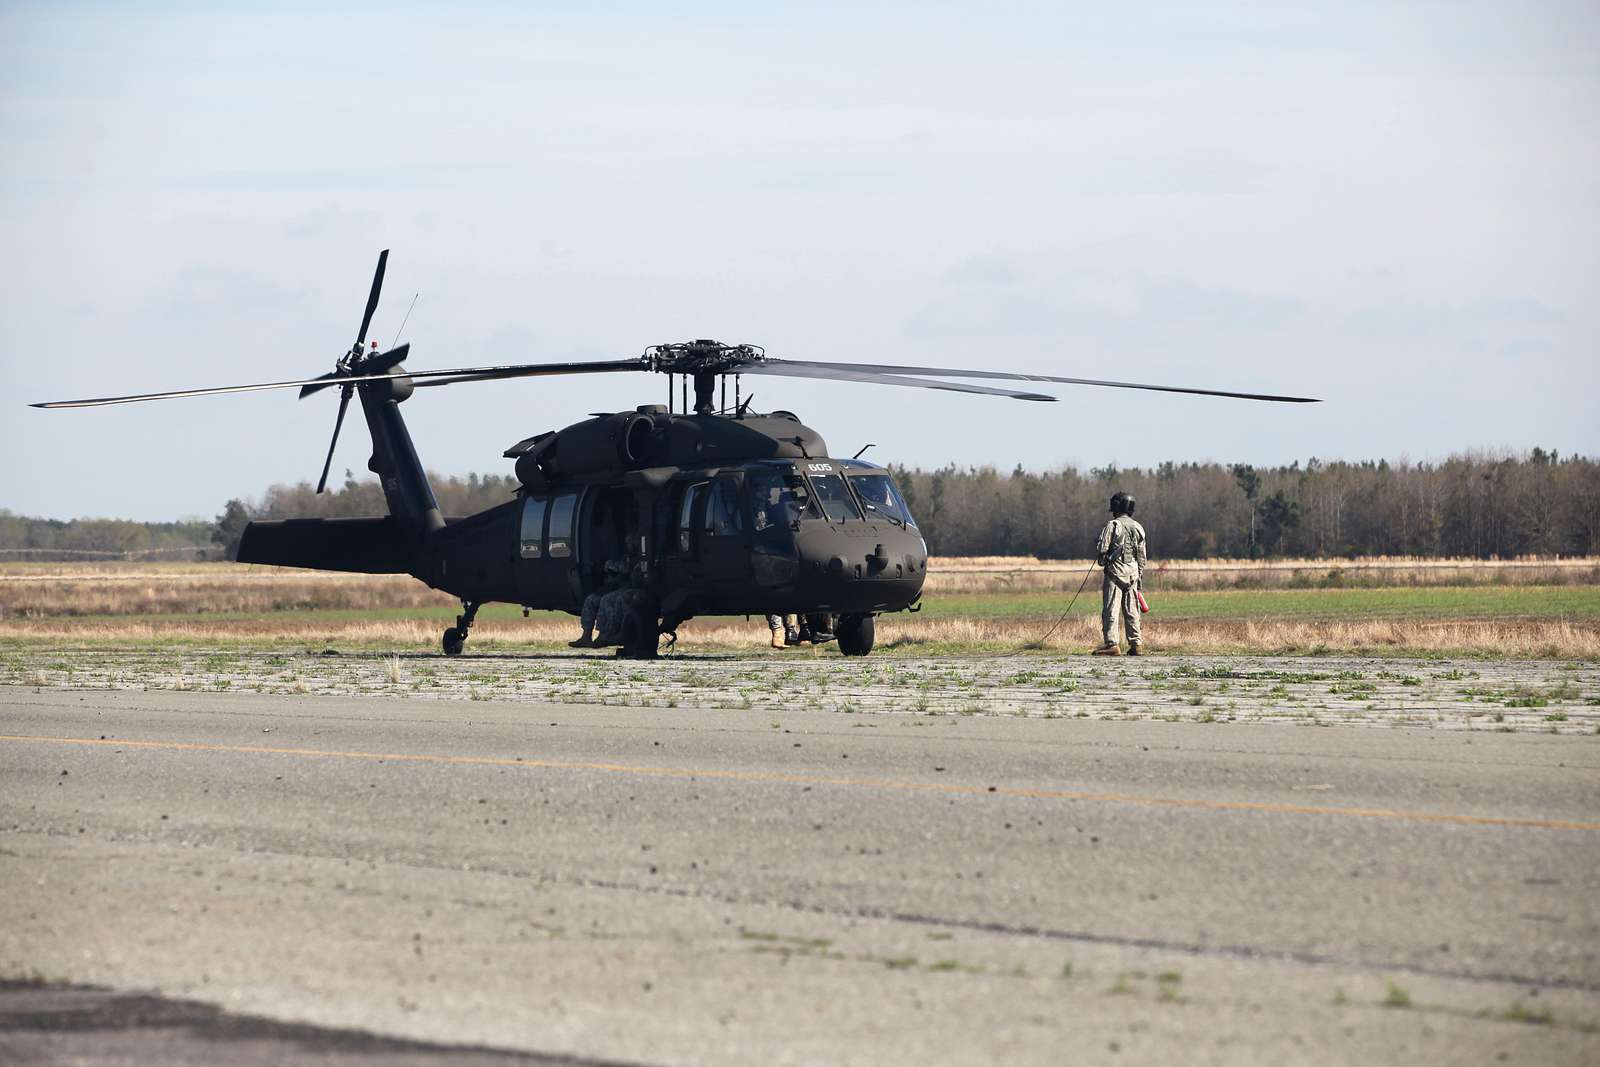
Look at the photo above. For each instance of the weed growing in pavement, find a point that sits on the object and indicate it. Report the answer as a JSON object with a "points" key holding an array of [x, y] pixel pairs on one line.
{"points": [[1396, 996], [1521, 1013]]}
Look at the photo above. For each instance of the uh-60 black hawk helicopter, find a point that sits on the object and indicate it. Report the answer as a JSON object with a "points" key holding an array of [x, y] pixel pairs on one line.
{"points": [[717, 510]]}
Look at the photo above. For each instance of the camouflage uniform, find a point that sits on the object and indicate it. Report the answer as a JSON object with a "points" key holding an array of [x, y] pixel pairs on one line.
{"points": [[609, 614], [785, 630], [614, 607], [1121, 552], [595, 612], [590, 612]]}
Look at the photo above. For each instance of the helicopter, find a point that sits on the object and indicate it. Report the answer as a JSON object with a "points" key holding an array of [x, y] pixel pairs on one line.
{"points": [[712, 509]]}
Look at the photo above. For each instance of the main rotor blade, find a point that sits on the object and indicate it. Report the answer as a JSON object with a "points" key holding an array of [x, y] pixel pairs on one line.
{"points": [[846, 373], [959, 372], [323, 381], [344, 402], [372, 298], [529, 370]]}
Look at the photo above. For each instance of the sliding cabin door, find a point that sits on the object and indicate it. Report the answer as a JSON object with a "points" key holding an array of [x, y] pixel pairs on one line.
{"points": [[547, 556]]}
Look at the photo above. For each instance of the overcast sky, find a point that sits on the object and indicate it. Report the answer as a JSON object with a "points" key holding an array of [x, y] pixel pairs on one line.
{"points": [[1395, 207]]}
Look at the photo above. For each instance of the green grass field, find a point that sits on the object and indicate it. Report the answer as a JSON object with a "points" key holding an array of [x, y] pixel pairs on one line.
{"points": [[1481, 602]]}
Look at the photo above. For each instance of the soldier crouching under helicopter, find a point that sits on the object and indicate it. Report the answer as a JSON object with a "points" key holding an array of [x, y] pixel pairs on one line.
{"points": [[1120, 551]]}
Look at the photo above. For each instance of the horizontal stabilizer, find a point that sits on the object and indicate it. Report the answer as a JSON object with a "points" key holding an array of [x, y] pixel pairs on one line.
{"points": [[364, 546]]}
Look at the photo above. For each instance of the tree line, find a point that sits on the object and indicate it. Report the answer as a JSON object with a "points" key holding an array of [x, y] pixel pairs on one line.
{"points": [[26, 538], [1469, 505]]}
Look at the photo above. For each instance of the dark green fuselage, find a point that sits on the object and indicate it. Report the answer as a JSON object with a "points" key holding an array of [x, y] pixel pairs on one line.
{"points": [[716, 515]]}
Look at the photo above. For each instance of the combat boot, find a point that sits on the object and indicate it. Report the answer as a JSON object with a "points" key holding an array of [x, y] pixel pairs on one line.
{"points": [[586, 641], [1133, 649], [777, 639], [1107, 650]]}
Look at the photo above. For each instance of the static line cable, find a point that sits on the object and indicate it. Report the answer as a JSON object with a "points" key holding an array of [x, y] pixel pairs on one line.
{"points": [[407, 318], [1071, 602]]}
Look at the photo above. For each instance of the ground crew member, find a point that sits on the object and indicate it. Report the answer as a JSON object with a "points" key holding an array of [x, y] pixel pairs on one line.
{"points": [[814, 629], [785, 629], [1120, 551]]}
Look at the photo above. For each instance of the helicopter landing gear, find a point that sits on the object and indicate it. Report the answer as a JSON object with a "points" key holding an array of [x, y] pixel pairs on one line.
{"points": [[455, 638], [855, 634], [641, 634]]}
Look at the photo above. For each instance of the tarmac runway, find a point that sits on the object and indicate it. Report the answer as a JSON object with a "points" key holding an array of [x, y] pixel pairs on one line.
{"points": [[728, 886]]}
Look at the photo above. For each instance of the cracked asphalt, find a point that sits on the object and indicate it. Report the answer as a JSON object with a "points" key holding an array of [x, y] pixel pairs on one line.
{"points": [[792, 883]]}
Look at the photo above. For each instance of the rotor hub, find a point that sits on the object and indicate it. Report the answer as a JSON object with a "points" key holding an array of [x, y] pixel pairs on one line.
{"points": [[703, 357]]}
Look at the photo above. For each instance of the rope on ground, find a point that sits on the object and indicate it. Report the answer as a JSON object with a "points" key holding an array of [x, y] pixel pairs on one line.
{"points": [[1040, 643]]}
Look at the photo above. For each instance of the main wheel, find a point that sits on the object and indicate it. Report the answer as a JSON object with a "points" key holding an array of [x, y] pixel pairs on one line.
{"points": [[855, 634], [640, 635], [454, 641]]}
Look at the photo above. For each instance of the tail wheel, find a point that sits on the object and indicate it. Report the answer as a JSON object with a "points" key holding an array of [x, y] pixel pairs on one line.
{"points": [[855, 634], [454, 641]]}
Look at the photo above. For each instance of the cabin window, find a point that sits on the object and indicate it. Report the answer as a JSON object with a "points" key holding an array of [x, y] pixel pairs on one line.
{"points": [[723, 517], [561, 512], [835, 499], [778, 498], [691, 499], [533, 527], [880, 496]]}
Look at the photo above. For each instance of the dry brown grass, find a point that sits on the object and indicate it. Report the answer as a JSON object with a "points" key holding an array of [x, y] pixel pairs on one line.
{"points": [[37, 591], [142, 602], [1501, 638], [121, 589]]}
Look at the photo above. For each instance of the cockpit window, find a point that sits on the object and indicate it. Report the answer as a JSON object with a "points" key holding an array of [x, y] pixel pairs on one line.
{"points": [[880, 496], [722, 511], [835, 499], [778, 498]]}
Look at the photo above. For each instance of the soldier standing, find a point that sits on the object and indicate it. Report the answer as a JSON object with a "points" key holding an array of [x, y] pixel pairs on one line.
{"points": [[1120, 551]]}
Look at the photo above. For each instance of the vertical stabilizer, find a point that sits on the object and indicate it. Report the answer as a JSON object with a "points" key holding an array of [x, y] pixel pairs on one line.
{"points": [[394, 458]]}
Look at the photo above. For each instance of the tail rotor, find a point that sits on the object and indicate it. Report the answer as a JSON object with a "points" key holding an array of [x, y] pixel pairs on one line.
{"points": [[356, 362]]}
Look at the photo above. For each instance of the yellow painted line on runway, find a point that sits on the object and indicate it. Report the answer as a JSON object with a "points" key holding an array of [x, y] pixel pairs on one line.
{"points": [[810, 779]]}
